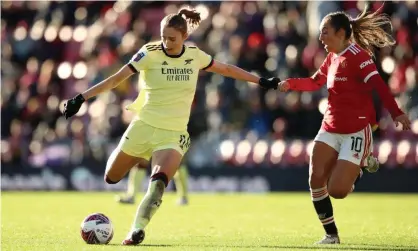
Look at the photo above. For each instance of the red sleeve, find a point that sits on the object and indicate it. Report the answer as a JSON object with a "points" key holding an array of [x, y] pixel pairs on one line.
{"points": [[368, 73], [313, 83], [366, 68], [307, 84], [385, 96]]}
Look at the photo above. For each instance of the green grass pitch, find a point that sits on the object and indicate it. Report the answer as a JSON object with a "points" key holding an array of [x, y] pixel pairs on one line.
{"points": [[280, 221]]}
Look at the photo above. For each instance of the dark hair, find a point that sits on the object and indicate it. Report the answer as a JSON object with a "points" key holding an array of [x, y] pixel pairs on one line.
{"points": [[368, 30], [186, 24]]}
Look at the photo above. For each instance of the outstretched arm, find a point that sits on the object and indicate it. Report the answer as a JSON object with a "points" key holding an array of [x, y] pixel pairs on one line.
{"points": [[72, 106], [232, 71], [235, 72], [307, 84], [304, 84], [109, 83]]}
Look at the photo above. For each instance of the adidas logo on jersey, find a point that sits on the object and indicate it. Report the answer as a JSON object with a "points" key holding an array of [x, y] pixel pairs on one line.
{"points": [[165, 63], [188, 61]]}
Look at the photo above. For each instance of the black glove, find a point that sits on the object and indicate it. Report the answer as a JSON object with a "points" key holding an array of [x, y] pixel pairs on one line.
{"points": [[72, 106], [271, 83]]}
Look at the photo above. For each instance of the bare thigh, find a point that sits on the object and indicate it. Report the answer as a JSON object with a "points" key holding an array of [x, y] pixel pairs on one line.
{"points": [[322, 162], [119, 164], [166, 161], [342, 179], [355, 147]]}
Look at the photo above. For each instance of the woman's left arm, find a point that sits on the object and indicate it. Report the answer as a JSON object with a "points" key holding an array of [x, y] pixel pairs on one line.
{"points": [[235, 72]]}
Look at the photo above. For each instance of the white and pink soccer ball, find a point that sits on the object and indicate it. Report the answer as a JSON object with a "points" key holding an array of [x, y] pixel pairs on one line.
{"points": [[96, 229]]}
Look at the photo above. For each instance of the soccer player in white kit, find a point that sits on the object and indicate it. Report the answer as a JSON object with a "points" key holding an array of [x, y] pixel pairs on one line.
{"points": [[344, 143]]}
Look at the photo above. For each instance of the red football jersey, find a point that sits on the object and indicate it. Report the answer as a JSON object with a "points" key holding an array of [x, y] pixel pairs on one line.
{"points": [[351, 77]]}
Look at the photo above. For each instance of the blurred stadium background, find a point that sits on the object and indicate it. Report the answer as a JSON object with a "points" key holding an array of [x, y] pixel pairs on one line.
{"points": [[244, 139]]}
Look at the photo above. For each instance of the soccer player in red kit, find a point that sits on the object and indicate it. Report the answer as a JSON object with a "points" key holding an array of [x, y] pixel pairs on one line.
{"points": [[344, 143]]}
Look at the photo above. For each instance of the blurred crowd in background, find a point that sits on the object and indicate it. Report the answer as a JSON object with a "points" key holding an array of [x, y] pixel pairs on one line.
{"points": [[53, 50]]}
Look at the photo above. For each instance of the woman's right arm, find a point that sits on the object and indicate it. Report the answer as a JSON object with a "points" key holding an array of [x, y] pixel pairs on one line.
{"points": [[110, 82], [307, 84]]}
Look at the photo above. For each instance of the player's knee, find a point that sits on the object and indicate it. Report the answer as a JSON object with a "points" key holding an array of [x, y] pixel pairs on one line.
{"points": [[142, 164], [140, 167], [160, 176], [109, 180], [337, 193]]}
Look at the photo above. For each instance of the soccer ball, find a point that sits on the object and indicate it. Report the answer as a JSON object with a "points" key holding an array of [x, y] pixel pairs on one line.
{"points": [[96, 229]]}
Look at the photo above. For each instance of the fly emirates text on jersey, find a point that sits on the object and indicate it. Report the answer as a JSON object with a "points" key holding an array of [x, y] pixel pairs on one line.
{"points": [[177, 74]]}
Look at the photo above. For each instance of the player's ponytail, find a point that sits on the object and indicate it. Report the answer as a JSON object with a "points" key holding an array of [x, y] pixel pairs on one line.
{"points": [[372, 30], [185, 21], [368, 30], [192, 18]]}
